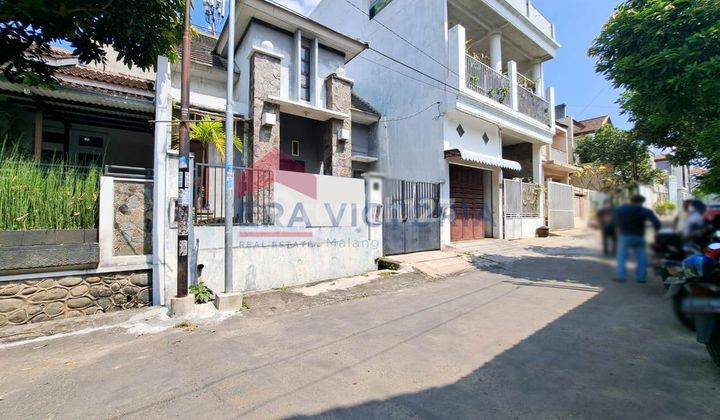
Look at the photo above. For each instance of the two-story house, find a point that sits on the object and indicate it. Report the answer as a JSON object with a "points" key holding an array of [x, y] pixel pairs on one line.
{"points": [[677, 187], [460, 86], [298, 203]]}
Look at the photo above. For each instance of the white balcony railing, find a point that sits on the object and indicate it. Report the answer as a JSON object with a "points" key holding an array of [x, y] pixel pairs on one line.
{"points": [[482, 79], [533, 106], [527, 9]]}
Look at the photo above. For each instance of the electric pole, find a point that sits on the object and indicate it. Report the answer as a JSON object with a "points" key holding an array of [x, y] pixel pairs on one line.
{"points": [[182, 209]]}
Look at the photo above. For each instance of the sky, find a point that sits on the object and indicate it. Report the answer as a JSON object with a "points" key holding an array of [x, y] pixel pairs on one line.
{"points": [[572, 73]]}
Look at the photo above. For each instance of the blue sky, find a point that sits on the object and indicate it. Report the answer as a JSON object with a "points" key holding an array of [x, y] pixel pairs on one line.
{"points": [[572, 72]]}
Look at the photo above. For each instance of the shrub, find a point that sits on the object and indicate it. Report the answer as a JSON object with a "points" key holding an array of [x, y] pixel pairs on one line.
{"points": [[37, 196], [664, 208], [203, 294]]}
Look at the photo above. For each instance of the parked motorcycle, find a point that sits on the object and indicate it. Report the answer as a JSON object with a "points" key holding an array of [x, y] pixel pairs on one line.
{"points": [[696, 268], [703, 301]]}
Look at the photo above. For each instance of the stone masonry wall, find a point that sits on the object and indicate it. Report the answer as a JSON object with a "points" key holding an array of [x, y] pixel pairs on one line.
{"points": [[132, 224], [23, 302], [338, 153], [264, 82]]}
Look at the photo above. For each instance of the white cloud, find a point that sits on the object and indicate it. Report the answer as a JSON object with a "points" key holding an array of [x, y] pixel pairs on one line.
{"points": [[302, 6]]}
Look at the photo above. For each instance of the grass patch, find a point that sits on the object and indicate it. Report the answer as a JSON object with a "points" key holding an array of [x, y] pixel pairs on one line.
{"points": [[282, 289], [38, 196]]}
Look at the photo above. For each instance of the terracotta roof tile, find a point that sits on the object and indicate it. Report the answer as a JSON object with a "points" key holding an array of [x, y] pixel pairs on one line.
{"points": [[106, 77], [202, 49], [591, 125]]}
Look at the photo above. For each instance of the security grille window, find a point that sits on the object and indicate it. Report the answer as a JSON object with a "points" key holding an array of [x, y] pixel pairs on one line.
{"points": [[305, 71], [377, 6]]}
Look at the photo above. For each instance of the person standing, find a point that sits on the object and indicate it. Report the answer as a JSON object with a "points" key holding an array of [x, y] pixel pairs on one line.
{"points": [[630, 220], [607, 228]]}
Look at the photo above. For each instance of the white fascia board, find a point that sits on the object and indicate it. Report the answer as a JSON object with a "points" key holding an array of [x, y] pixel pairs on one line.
{"points": [[304, 109]]}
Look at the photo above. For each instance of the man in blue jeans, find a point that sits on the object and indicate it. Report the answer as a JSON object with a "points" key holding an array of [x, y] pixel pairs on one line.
{"points": [[630, 220]]}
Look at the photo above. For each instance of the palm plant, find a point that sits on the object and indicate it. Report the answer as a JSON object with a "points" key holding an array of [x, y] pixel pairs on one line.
{"points": [[209, 131]]}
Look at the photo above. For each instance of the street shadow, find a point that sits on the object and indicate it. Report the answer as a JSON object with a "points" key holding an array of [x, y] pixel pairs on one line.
{"points": [[621, 354], [544, 268]]}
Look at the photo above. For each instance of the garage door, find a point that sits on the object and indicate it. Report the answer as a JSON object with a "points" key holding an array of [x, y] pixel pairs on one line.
{"points": [[467, 195]]}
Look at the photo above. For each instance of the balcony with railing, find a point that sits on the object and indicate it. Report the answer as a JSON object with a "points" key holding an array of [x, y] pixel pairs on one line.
{"points": [[482, 79], [517, 93], [533, 105], [486, 81]]}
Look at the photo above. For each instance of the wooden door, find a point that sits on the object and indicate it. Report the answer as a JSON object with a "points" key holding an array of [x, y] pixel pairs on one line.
{"points": [[466, 192]]}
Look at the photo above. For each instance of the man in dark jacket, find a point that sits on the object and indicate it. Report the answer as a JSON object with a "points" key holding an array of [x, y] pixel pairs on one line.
{"points": [[630, 220]]}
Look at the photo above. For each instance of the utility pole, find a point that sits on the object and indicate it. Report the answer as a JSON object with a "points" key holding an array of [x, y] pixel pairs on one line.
{"points": [[229, 146], [182, 211]]}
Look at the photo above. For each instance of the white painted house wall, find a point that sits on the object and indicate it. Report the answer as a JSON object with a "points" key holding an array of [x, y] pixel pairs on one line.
{"points": [[414, 130]]}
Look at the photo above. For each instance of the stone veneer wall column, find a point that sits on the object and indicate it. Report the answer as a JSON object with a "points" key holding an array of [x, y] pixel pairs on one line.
{"points": [[264, 82], [265, 153], [337, 152], [28, 301]]}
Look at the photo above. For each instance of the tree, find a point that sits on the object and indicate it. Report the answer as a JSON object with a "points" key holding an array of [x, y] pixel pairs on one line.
{"points": [[666, 55], [139, 30], [615, 160]]}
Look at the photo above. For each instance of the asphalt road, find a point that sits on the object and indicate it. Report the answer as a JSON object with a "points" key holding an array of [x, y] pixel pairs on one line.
{"points": [[545, 335]]}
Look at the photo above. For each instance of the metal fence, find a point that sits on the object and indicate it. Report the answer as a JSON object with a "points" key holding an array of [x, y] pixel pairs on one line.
{"points": [[532, 105], [486, 81], [411, 216], [560, 206], [253, 190], [521, 199]]}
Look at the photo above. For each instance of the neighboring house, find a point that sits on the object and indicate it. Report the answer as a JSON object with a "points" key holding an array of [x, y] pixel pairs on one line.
{"points": [[94, 115], [461, 89], [677, 187], [307, 138], [590, 126], [567, 206]]}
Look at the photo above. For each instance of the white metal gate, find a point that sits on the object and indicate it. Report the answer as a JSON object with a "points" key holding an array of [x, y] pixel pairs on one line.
{"points": [[521, 203], [560, 206]]}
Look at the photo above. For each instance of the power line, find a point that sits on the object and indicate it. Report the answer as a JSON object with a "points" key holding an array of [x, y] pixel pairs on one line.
{"points": [[407, 117], [400, 36]]}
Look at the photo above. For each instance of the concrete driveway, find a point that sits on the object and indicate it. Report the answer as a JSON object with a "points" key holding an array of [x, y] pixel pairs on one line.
{"points": [[539, 334]]}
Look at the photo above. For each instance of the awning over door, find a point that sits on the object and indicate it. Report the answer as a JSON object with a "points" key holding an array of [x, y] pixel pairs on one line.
{"points": [[468, 156]]}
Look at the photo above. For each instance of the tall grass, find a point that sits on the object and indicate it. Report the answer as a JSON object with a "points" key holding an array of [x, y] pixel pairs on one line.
{"points": [[36, 196]]}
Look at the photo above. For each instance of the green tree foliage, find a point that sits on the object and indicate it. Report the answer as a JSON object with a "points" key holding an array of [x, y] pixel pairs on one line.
{"points": [[622, 161], [139, 30], [666, 54]]}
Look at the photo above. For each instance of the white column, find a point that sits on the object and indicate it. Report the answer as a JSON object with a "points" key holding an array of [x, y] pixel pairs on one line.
{"points": [[497, 198], [512, 74], [496, 51], [374, 213], [295, 80], [536, 73], [445, 204], [315, 82], [538, 176], [163, 116], [550, 97], [456, 58]]}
